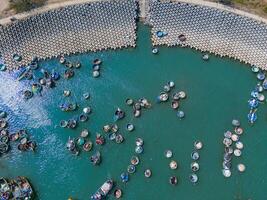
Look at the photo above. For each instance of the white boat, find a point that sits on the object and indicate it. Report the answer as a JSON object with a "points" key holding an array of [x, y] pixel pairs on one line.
{"points": [[103, 191]]}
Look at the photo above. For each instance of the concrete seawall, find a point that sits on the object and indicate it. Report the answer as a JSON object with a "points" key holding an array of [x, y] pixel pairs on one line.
{"points": [[210, 29]]}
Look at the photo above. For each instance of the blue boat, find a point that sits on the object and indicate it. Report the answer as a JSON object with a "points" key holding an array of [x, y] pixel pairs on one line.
{"points": [[253, 103], [252, 116]]}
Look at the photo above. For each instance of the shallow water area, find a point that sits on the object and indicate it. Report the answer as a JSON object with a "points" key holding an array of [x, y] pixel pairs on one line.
{"points": [[217, 92]]}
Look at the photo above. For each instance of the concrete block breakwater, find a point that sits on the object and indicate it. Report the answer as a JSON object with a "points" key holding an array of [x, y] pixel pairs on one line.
{"points": [[209, 29], [72, 29]]}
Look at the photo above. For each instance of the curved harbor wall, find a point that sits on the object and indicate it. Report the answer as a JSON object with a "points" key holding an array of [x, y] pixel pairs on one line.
{"points": [[210, 29], [72, 29]]}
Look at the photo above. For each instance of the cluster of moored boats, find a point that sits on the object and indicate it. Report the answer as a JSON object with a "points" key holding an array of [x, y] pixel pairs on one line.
{"points": [[176, 97], [16, 189], [232, 147], [195, 156], [257, 95], [24, 144], [71, 66], [37, 78]]}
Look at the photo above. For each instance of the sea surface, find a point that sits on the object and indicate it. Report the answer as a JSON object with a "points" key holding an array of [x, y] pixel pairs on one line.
{"points": [[217, 92]]}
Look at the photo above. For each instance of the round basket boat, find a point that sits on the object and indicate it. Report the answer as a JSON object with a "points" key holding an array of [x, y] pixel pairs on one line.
{"points": [[83, 118], [119, 139], [134, 160], [87, 146], [139, 142], [175, 105], [180, 114], [195, 155], [173, 180], [27, 94], [96, 67], [168, 153], [163, 96], [112, 136], [84, 133], [124, 177], [139, 149], [255, 69], [148, 173], [155, 50], [129, 101], [4, 139], [130, 127], [131, 169], [261, 76], [193, 178], [63, 123], [4, 148], [118, 193]]}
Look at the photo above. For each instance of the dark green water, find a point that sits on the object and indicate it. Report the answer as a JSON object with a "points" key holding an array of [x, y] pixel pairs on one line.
{"points": [[217, 91]]}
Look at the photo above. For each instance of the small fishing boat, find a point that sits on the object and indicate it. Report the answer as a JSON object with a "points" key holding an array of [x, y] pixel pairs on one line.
{"points": [[118, 193], [119, 138], [139, 149], [137, 113], [137, 106], [2, 114], [130, 127], [14, 137], [261, 76], [100, 140], [163, 96], [87, 110], [65, 107], [173, 164], [182, 37], [36, 88], [161, 34], [63, 123], [195, 155], [62, 59], [226, 173], [96, 158], [264, 84], [182, 94], [2, 67], [173, 180], [175, 104], [17, 57], [4, 148], [180, 114], [119, 114], [261, 97], [167, 88], [3, 123], [241, 167], [4, 139], [134, 160], [124, 177], [198, 145], [55, 76], [86, 95], [193, 178], [129, 101], [72, 123], [131, 169], [176, 96], [84, 133], [96, 73], [27, 94], [239, 130], [80, 141], [96, 67], [168, 153], [235, 122], [155, 50], [171, 84], [194, 166], [148, 173], [33, 65], [107, 128], [114, 128], [255, 69], [66, 93], [97, 61], [68, 73], [5, 190], [205, 57], [21, 188], [112, 136], [83, 117], [139, 142], [71, 146], [87, 146], [252, 116], [77, 65]]}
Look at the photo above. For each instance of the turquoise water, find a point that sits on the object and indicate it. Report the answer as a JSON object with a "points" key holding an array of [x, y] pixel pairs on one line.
{"points": [[217, 92]]}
